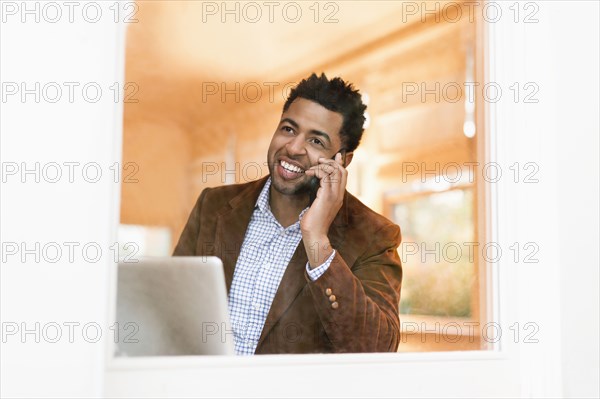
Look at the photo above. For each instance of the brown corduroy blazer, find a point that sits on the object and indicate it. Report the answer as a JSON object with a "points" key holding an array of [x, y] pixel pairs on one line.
{"points": [[365, 275]]}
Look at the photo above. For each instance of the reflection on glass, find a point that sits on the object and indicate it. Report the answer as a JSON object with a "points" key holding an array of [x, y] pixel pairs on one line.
{"points": [[209, 93]]}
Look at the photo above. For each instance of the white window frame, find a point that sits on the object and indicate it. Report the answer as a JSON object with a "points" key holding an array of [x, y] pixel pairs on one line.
{"points": [[523, 293]]}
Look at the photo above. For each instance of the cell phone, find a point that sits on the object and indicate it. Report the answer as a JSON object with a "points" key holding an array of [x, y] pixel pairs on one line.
{"points": [[314, 181], [312, 190]]}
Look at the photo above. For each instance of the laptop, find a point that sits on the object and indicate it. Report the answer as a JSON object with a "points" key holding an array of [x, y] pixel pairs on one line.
{"points": [[175, 306]]}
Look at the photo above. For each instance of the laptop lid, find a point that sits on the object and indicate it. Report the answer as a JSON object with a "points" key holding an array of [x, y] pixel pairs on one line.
{"points": [[172, 307]]}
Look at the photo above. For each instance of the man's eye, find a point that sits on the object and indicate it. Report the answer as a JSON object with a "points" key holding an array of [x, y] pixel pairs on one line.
{"points": [[288, 129], [317, 142]]}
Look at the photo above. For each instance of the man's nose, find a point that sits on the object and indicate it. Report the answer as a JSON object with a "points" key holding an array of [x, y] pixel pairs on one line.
{"points": [[296, 146]]}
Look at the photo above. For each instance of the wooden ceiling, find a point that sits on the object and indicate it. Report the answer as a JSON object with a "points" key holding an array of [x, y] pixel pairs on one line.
{"points": [[172, 54], [189, 37]]}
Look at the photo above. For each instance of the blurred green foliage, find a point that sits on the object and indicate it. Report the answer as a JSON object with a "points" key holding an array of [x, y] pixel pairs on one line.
{"points": [[438, 279]]}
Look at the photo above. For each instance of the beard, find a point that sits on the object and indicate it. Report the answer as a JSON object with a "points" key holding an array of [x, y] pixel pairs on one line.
{"points": [[300, 187]]}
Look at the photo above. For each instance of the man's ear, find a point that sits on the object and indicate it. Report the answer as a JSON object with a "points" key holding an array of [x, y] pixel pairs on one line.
{"points": [[348, 159]]}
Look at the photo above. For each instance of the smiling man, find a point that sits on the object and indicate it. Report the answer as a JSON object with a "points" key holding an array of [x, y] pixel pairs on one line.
{"points": [[308, 267]]}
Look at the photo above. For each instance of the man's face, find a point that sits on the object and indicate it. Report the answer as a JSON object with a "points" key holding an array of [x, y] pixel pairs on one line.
{"points": [[307, 131]]}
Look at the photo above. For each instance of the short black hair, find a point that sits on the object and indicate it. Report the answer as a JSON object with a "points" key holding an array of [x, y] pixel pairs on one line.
{"points": [[337, 96]]}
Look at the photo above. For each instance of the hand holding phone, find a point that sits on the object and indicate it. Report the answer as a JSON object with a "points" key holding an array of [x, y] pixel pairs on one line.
{"points": [[316, 222], [314, 181]]}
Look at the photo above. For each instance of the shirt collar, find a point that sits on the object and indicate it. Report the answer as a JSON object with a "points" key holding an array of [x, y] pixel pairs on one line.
{"points": [[263, 199]]}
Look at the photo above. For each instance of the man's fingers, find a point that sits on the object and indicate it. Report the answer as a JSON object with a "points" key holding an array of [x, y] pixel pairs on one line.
{"points": [[323, 170]]}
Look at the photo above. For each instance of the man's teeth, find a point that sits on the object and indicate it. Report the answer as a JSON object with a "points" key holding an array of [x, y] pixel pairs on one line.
{"points": [[290, 167]]}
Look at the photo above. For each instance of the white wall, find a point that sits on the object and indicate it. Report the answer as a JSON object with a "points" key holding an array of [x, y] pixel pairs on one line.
{"points": [[578, 177], [562, 54], [37, 290]]}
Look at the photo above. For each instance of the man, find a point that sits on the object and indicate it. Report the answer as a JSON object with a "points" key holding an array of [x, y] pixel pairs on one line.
{"points": [[304, 278]]}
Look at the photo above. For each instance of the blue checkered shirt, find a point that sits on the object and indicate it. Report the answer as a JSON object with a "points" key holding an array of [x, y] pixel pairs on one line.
{"points": [[266, 252]]}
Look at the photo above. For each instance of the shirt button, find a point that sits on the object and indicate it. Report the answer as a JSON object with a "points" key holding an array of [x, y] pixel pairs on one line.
{"points": [[328, 291], [256, 306], [282, 232], [335, 305]]}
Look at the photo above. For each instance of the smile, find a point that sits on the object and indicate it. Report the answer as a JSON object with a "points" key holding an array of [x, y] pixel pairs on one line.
{"points": [[291, 168]]}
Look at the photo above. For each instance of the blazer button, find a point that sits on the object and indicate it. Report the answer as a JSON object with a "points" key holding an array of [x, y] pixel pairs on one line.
{"points": [[331, 298], [328, 291], [335, 305]]}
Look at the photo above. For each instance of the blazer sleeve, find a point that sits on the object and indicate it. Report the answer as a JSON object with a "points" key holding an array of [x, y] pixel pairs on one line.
{"points": [[186, 246], [358, 307]]}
